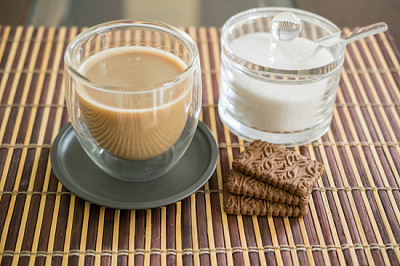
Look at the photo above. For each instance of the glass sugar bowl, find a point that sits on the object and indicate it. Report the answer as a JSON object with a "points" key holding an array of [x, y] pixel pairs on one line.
{"points": [[277, 84]]}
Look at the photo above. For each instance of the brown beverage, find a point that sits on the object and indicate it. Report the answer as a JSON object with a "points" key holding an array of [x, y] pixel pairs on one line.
{"points": [[136, 121]]}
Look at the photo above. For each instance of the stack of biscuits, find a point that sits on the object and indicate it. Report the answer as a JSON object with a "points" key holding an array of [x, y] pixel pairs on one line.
{"points": [[270, 180]]}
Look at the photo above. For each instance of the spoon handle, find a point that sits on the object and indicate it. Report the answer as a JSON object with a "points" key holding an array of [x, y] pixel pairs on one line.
{"points": [[365, 31], [355, 35], [335, 39]]}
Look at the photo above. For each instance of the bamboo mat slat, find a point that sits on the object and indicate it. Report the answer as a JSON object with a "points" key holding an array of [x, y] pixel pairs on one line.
{"points": [[354, 214]]}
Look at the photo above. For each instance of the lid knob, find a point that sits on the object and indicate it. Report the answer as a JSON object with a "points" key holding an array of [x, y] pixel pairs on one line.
{"points": [[285, 26]]}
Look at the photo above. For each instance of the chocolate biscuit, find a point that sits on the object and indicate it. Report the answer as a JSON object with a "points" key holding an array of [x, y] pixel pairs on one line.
{"points": [[239, 183], [279, 167], [239, 204]]}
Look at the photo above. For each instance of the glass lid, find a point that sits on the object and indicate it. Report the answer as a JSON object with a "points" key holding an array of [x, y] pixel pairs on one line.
{"points": [[281, 43]]}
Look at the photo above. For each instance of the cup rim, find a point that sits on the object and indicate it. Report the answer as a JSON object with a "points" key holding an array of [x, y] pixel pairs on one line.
{"points": [[274, 73], [111, 25]]}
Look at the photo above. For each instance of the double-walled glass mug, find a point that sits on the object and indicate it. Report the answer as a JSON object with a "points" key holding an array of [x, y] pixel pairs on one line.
{"points": [[133, 93]]}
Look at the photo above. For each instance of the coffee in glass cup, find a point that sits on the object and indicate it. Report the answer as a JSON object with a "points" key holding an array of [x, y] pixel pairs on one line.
{"points": [[133, 96]]}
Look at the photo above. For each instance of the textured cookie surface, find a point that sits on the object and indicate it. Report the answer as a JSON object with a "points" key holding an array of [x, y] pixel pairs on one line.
{"points": [[239, 204], [238, 183], [279, 167]]}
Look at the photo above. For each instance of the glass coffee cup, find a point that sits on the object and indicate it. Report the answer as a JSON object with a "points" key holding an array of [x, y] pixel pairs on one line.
{"points": [[133, 93]]}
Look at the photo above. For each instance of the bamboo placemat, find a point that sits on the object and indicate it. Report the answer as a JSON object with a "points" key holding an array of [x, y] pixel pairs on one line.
{"points": [[354, 212]]}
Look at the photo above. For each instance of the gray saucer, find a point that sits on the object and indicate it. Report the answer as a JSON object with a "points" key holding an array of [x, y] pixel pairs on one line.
{"points": [[81, 176]]}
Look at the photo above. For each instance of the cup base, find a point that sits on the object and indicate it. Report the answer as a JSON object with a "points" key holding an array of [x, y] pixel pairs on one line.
{"points": [[288, 139], [139, 170], [128, 170], [143, 170]]}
